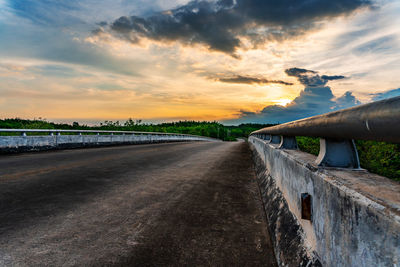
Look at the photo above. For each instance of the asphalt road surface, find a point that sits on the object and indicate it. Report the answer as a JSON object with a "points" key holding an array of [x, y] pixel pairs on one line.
{"points": [[176, 204]]}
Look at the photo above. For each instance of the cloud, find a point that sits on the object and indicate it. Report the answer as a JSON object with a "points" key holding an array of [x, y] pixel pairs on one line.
{"points": [[331, 78], [387, 94], [239, 79], [82, 12], [346, 101], [383, 45], [316, 98], [220, 25], [310, 78], [298, 71], [55, 31]]}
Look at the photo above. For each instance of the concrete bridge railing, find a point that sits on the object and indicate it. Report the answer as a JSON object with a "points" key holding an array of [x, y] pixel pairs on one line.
{"points": [[44, 139], [326, 210]]}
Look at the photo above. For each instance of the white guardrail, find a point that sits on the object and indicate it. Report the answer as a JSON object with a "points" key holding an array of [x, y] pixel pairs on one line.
{"points": [[43, 139]]}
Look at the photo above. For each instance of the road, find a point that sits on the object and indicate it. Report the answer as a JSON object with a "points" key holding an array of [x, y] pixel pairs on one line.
{"points": [[192, 204]]}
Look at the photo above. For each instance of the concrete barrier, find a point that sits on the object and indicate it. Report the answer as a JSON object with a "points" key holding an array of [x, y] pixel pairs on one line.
{"points": [[10, 144], [326, 216]]}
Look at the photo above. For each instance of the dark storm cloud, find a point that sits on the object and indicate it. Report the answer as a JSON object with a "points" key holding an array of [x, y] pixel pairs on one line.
{"points": [[316, 98], [298, 71], [220, 24], [239, 79], [310, 78], [331, 78]]}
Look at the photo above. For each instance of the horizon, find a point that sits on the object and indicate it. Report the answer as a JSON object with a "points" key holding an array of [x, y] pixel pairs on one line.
{"points": [[228, 61], [122, 121]]}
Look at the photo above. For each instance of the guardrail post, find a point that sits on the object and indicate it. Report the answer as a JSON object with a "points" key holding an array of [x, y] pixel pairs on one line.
{"points": [[266, 137], [338, 153], [51, 134], [288, 142], [23, 134], [275, 139]]}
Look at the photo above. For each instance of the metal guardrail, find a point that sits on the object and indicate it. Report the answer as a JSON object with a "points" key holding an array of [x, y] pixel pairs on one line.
{"points": [[378, 121], [59, 132], [20, 140]]}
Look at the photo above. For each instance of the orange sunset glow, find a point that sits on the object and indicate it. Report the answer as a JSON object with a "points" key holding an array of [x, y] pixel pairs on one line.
{"points": [[115, 61]]}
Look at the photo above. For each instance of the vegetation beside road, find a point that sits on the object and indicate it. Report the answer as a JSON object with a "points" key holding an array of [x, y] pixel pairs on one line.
{"points": [[377, 157], [203, 128]]}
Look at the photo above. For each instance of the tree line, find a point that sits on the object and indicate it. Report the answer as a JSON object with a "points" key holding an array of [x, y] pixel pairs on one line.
{"points": [[377, 157], [203, 128]]}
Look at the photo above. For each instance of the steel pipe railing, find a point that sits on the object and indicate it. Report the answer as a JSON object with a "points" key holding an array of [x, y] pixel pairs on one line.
{"points": [[379, 121], [59, 132]]}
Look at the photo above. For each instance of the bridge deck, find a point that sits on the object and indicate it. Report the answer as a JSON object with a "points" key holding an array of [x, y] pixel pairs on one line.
{"points": [[147, 205]]}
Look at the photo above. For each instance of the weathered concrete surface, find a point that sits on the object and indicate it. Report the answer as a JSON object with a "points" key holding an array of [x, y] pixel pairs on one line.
{"points": [[286, 232], [178, 204], [355, 214], [11, 144]]}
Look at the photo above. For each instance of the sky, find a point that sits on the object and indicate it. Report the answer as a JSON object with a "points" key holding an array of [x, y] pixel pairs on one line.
{"points": [[234, 61]]}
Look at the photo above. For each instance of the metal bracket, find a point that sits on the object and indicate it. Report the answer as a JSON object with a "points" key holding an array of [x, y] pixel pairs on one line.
{"points": [[306, 206], [338, 153], [266, 137], [288, 142], [275, 139]]}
